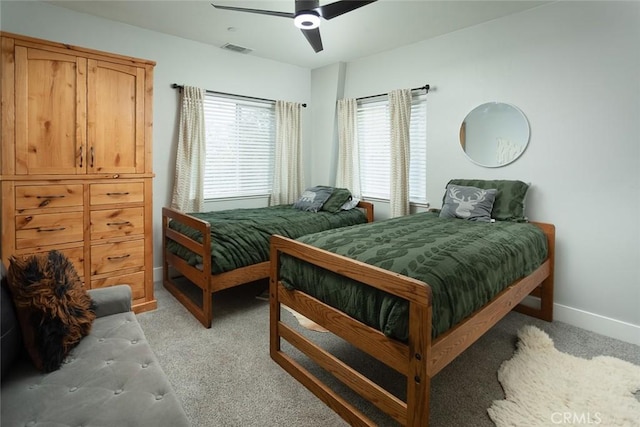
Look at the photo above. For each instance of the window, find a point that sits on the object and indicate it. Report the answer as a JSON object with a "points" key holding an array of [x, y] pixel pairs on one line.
{"points": [[374, 130], [240, 157]]}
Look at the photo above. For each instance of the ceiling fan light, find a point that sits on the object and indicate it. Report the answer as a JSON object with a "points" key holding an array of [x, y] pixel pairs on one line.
{"points": [[307, 20]]}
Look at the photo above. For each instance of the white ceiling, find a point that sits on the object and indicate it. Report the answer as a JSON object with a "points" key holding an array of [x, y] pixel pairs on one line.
{"points": [[377, 27]]}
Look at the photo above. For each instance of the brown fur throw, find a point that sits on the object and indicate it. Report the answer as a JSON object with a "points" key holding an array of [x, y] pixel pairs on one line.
{"points": [[54, 310]]}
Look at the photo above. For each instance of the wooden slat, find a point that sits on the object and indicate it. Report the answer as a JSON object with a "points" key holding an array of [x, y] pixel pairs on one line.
{"points": [[192, 245], [195, 275], [394, 283], [186, 219], [371, 341], [343, 408], [239, 276], [371, 391], [453, 342]]}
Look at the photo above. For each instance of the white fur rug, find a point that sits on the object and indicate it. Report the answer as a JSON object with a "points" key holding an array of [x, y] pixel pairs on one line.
{"points": [[305, 322], [302, 320], [544, 387]]}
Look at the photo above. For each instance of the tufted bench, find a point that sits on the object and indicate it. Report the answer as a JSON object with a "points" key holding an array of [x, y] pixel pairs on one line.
{"points": [[112, 378]]}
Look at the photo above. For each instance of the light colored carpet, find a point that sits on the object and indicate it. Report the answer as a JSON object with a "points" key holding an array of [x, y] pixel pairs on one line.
{"points": [[225, 377], [544, 386]]}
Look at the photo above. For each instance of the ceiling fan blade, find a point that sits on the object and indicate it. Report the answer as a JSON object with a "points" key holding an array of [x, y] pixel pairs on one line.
{"points": [[331, 10], [313, 37], [259, 11]]}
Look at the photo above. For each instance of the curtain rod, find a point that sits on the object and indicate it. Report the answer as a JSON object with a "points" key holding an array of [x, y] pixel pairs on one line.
{"points": [[425, 87], [177, 86]]}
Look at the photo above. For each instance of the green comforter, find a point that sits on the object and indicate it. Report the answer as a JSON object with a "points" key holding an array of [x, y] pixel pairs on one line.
{"points": [[465, 263], [240, 237]]}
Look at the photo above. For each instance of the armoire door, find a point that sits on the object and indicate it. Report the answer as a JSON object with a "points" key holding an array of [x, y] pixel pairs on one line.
{"points": [[50, 112], [115, 125]]}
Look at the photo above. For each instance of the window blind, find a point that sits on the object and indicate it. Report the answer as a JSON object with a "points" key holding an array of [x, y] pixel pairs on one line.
{"points": [[240, 150], [374, 136]]}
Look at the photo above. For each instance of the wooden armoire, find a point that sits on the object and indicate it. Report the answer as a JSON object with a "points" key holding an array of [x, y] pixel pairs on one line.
{"points": [[76, 160]]}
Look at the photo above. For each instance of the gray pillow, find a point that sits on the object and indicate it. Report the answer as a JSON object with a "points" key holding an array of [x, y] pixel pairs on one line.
{"points": [[471, 203], [509, 203], [313, 198]]}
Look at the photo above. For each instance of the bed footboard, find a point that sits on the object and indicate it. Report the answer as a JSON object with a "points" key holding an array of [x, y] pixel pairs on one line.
{"points": [[410, 359], [419, 359], [199, 277]]}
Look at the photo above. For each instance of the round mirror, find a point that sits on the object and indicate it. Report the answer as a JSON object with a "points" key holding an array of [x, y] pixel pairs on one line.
{"points": [[494, 134]]}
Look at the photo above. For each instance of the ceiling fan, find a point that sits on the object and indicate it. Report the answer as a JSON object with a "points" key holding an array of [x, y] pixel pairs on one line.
{"points": [[307, 15]]}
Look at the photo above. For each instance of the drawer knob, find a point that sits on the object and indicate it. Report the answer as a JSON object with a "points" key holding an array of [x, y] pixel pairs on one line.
{"points": [[113, 258], [119, 223], [121, 193]]}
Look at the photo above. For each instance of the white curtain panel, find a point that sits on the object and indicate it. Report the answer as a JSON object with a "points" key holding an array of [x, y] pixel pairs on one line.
{"points": [[188, 193], [400, 112], [348, 173], [287, 181]]}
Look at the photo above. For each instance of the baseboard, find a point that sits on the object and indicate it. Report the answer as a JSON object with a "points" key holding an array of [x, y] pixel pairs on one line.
{"points": [[582, 319], [157, 274], [603, 325], [597, 323]]}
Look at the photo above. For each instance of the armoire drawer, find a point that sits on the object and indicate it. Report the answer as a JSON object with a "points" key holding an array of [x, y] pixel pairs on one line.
{"points": [[114, 193], [48, 229], [134, 280], [75, 255], [110, 223], [48, 196], [117, 256]]}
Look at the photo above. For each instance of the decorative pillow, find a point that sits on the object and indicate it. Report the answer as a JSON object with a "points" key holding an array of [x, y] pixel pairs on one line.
{"points": [[54, 311], [337, 199], [509, 203], [470, 203], [313, 198]]}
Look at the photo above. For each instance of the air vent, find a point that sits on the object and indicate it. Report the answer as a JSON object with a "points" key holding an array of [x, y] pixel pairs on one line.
{"points": [[236, 48]]}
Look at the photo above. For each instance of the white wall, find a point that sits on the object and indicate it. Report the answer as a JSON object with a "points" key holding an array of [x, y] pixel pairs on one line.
{"points": [[573, 68], [327, 86], [177, 61]]}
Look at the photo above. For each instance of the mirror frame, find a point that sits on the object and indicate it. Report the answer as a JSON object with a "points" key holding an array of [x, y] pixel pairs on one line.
{"points": [[520, 126]]}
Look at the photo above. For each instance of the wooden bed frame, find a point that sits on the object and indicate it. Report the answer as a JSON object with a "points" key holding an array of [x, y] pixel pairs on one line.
{"points": [[207, 283], [419, 359]]}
